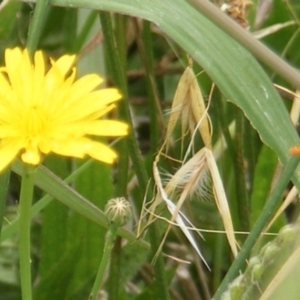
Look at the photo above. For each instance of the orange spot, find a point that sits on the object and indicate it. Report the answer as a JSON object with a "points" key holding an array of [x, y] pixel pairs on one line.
{"points": [[295, 150]]}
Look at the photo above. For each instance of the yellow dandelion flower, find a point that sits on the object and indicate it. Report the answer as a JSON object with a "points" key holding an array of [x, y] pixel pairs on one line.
{"points": [[49, 111]]}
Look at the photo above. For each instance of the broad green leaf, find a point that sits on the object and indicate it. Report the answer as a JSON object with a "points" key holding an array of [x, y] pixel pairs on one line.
{"points": [[285, 284], [96, 185], [8, 13], [59, 276], [61, 191], [236, 72], [40, 205], [264, 172], [4, 181], [273, 272], [54, 218], [8, 24]]}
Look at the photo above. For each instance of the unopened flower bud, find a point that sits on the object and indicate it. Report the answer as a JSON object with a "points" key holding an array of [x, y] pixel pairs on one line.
{"points": [[287, 234], [257, 272], [118, 211]]}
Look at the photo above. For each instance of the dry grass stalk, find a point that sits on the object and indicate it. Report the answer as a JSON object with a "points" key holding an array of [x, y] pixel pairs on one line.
{"points": [[188, 104], [188, 107], [287, 201], [174, 210], [294, 115], [287, 269], [221, 200], [260, 34]]}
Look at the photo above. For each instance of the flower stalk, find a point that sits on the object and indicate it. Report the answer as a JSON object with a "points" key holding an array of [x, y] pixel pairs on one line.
{"points": [[27, 186], [118, 213], [262, 221], [108, 246], [37, 25], [134, 152], [47, 111]]}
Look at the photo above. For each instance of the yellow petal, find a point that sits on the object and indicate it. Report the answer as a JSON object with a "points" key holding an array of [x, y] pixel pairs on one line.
{"points": [[86, 84], [31, 154], [31, 157], [74, 148], [56, 75], [100, 113], [5, 87], [105, 96], [19, 71], [107, 128], [38, 78], [24, 84], [6, 130], [42, 112], [13, 57], [77, 94], [63, 64], [95, 102], [39, 64], [8, 152], [102, 152]]}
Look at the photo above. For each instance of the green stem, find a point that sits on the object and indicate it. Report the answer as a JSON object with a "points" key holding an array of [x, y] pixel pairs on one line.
{"points": [[159, 267], [24, 231], [233, 152], [145, 46], [115, 277], [218, 258], [122, 146], [138, 165], [114, 280], [42, 203], [86, 27], [252, 147], [156, 116], [118, 72], [265, 216], [116, 64], [4, 181], [245, 38], [109, 243], [61, 191], [36, 26], [240, 175]]}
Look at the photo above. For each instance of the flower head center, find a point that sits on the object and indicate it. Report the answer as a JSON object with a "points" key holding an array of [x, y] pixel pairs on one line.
{"points": [[48, 110], [34, 122]]}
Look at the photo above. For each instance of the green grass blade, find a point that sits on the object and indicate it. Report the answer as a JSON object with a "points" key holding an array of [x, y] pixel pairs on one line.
{"points": [[4, 182], [238, 75], [61, 191]]}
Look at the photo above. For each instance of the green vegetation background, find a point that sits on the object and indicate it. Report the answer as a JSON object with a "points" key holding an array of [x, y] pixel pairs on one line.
{"points": [[152, 40]]}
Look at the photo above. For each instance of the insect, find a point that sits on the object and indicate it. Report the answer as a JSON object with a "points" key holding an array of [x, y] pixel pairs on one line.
{"points": [[295, 150]]}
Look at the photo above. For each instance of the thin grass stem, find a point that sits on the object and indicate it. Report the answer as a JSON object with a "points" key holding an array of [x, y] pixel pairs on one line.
{"points": [[245, 38], [108, 246], [118, 35], [4, 181], [265, 216], [134, 152], [146, 53], [26, 194], [240, 173], [42, 203], [37, 24]]}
